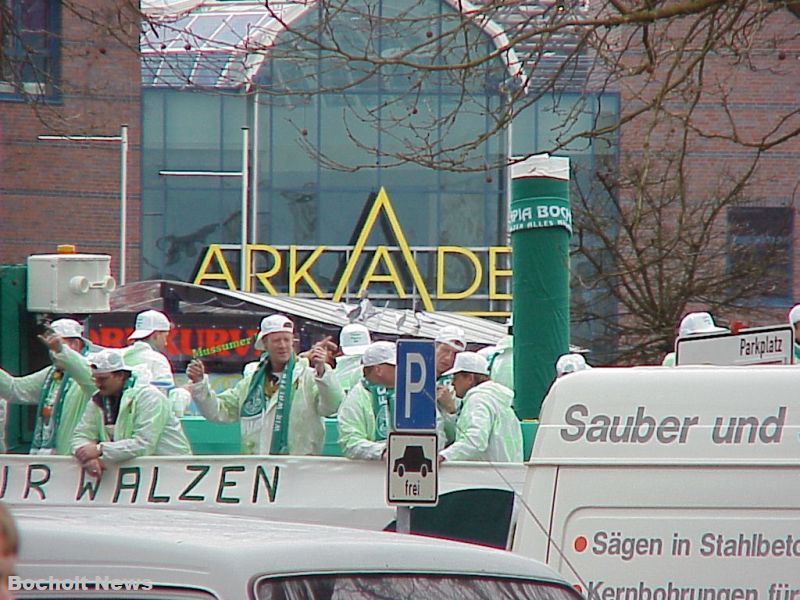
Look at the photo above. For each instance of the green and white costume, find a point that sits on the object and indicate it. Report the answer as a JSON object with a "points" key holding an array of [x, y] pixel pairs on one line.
{"points": [[300, 398], [448, 420], [145, 426], [501, 363], [149, 365], [348, 371], [365, 420], [487, 428], [60, 397]]}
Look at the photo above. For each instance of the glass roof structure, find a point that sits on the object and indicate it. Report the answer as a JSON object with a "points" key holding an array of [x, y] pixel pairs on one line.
{"points": [[219, 45], [222, 44]]}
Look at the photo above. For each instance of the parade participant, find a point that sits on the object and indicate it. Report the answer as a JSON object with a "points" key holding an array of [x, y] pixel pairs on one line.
{"points": [[694, 323], [124, 419], [570, 363], [501, 362], [365, 416], [147, 353], [60, 397], [794, 321], [487, 428], [448, 343], [353, 341], [279, 405]]}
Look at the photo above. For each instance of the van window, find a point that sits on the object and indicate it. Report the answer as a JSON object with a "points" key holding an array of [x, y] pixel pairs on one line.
{"points": [[427, 587]]}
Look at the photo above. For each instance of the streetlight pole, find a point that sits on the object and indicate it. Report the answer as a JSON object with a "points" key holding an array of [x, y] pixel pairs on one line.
{"points": [[244, 174], [122, 138]]}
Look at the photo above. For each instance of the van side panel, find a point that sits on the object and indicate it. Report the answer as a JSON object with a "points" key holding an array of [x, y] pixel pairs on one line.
{"points": [[673, 484]]}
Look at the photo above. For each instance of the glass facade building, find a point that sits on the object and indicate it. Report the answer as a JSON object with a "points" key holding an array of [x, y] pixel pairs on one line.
{"points": [[329, 131]]}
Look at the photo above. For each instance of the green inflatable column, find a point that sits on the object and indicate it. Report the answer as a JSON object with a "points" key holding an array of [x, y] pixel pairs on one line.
{"points": [[540, 223]]}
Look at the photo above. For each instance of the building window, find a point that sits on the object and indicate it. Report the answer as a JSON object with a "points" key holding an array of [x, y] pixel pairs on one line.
{"points": [[29, 48], [760, 249]]}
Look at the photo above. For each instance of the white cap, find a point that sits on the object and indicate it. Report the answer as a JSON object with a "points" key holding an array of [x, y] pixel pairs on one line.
{"points": [[698, 322], [148, 322], [354, 339], [452, 336], [469, 362], [379, 353], [67, 328], [794, 314], [273, 324], [107, 361], [569, 363]]}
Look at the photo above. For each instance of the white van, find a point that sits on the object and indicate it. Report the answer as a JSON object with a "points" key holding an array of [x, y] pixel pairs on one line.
{"points": [[115, 552], [652, 483]]}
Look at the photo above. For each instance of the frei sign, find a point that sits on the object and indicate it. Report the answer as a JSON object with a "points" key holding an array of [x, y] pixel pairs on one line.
{"points": [[380, 267]]}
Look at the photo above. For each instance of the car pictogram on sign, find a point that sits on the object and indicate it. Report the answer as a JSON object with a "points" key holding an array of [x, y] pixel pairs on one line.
{"points": [[413, 461]]}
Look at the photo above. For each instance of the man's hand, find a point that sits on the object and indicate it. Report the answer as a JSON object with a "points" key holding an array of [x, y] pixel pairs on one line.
{"points": [[94, 467], [195, 371], [318, 356], [445, 399], [52, 340], [87, 452]]}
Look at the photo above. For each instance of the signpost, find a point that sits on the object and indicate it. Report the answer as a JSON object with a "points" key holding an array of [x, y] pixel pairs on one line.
{"points": [[412, 473], [758, 346]]}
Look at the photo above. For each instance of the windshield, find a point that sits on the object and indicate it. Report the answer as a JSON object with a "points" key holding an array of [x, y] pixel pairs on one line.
{"points": [[407, 587]]}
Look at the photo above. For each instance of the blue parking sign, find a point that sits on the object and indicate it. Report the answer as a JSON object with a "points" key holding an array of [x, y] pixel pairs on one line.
{"points": [[415, 386]]}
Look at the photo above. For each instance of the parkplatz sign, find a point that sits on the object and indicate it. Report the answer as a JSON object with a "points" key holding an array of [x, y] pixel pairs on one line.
{"points": [[758, 346], [412, 476]]}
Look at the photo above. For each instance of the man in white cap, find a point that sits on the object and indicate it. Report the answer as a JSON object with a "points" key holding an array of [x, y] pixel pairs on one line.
{"points": [[354, 339], [570, 363], [365, 416], [694, 323], [450, 340], [59, 397], [794, 321], [279, 405], [487, 427], [147, 353], [124, 418]]}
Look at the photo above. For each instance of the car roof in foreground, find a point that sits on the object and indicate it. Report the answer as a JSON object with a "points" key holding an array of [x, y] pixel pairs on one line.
{"points": [[124, 542]]}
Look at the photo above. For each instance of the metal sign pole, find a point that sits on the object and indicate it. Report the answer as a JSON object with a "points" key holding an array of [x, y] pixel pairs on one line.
{"points": [[123, 183], [123, 202], [244, 175], [403, 519]]}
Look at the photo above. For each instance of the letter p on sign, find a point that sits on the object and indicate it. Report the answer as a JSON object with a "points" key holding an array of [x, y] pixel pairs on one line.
{"points": [[415, 386]]}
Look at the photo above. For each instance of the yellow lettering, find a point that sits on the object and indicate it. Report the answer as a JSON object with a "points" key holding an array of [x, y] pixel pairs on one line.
{"points": [[494, 272], [295, 275], [382, 203], [263, 276], [382, 253], [214, 252], [477, 273]]}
